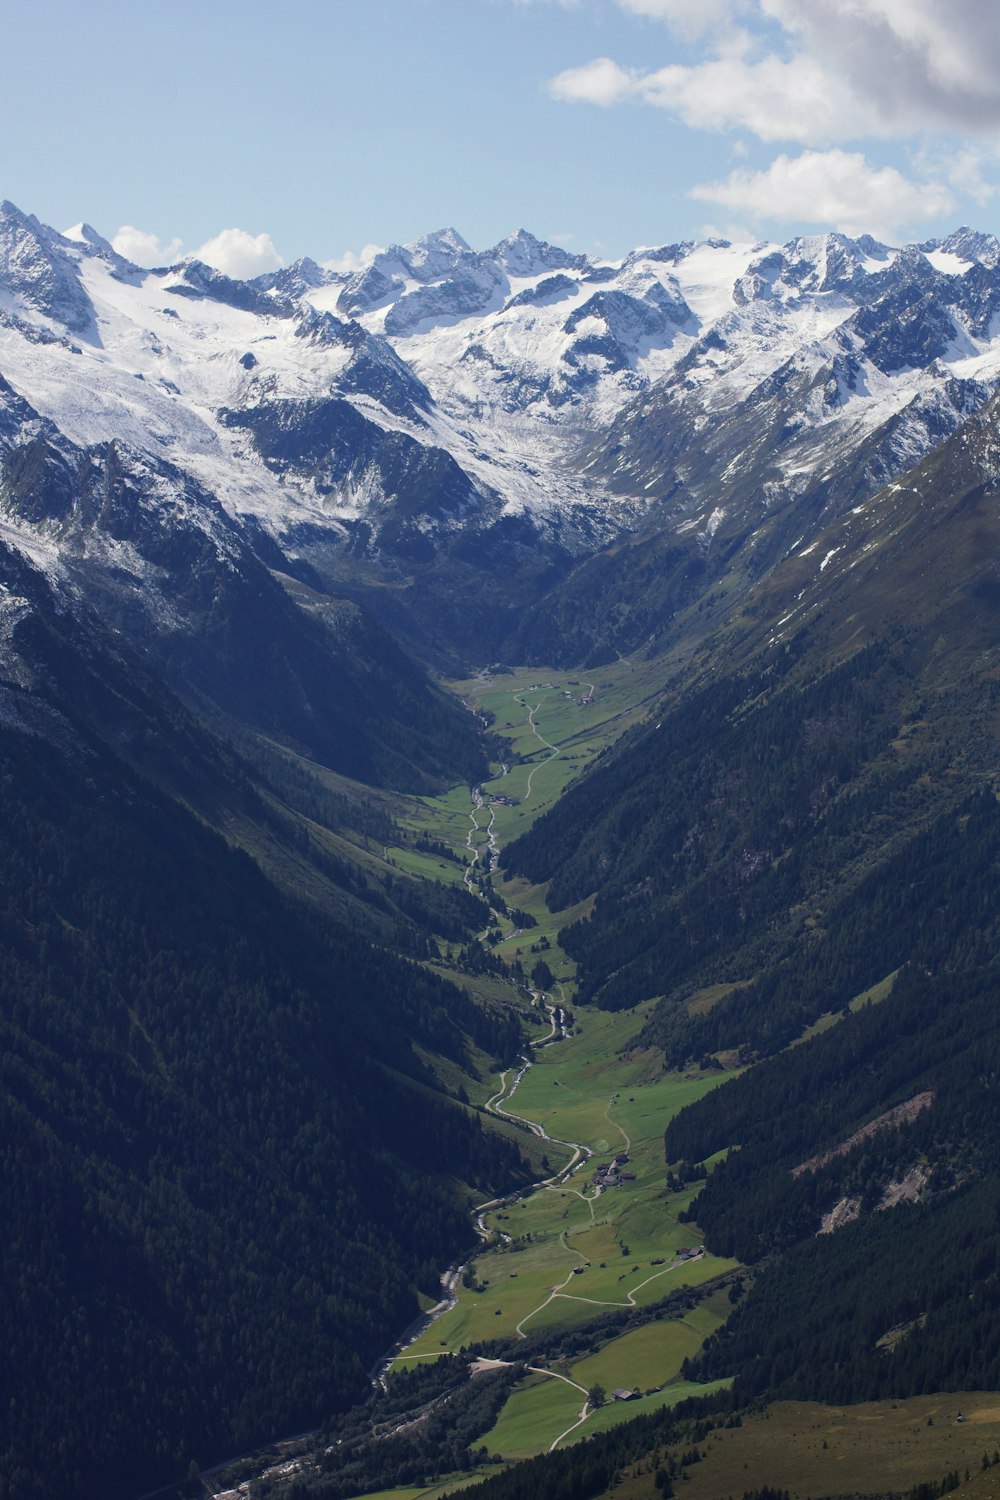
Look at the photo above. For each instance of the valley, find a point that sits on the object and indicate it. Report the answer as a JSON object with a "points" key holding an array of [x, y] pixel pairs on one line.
{"points": [[582, 1289], [607, 1103], [568, 1252], [601, 1234], [499, 759]]}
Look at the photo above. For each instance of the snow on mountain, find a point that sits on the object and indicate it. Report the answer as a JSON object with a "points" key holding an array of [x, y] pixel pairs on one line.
{"points": [[37, 277], [521, 254], [442, 388]]}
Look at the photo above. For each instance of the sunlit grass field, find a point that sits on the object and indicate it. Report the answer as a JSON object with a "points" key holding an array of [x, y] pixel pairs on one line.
{"points": [[574, 1253], [537, 1412]]}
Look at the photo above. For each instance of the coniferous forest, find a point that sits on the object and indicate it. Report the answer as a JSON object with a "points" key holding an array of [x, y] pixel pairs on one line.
{"points": [[215, 1130]]}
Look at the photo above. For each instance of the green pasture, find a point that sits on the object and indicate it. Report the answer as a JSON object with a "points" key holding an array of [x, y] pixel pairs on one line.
{"points": [[538, 1410], [614, 1413], [584, 1089], [576, 1253], [648, 1357], [531, 899], [447, 1486], [616, 696], [536, 777], [410, 1493], [872, 996], [424, 866], [811, 1449], [518, 944], [444, 817], [618, 688], [534, 1283], [541, 1409], [514, 1284], [606, 1292]]}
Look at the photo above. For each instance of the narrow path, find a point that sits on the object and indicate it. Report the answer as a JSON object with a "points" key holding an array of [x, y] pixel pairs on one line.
{"points": [[500, 1364], [584, 1414], [559, 1291], [629, 1296], [615, 1126], [555, 1292], [542, 740]]}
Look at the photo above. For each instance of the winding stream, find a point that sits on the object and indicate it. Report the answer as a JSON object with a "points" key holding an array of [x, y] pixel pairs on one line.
{"points": [[451, 1278]]}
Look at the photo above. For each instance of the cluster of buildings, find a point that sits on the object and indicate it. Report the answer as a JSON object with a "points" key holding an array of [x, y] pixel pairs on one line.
{"points": [[611, 1173]]}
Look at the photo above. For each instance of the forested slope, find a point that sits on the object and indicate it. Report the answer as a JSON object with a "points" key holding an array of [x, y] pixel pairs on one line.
{"points": [[810, 818], [225, 1170], [848, 704], [903, 1296]]}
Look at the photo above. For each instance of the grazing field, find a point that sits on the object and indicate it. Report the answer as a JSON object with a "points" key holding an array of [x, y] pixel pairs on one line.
{"points": [[535, 709], [574, 1252], [540, 1409], [587, 1089], [548, 727], [543, 1410], [615, 1412], [815, 1450], [646, 1358], [568, 1252]]}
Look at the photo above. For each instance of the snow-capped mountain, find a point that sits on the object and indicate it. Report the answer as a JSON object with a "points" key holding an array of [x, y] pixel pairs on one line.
{"points": [[477, 407]]}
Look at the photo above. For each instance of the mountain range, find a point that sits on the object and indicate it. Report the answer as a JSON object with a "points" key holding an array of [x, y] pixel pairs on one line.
{"points": [[246, 528], [447, 420]]}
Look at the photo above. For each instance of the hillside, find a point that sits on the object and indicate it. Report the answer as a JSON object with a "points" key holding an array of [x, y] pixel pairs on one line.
{"points": [[839, 712], [229, 1169], [797, 859]]}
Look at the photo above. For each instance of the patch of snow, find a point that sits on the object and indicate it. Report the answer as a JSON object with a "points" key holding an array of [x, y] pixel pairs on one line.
{"points": [[948, 263]]}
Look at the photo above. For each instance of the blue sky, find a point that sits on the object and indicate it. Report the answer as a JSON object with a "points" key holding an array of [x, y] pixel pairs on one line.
{"points": [[262, 131]]}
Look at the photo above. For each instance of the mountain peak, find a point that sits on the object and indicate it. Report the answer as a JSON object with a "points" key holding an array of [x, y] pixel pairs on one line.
{"points": [[35, 267], [523, 254], [440, 239], [86, 234], [971, 244], [434, 255]]}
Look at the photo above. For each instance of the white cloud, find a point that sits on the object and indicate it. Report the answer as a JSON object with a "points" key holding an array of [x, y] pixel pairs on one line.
{"points": [[839, 189], [353, 260], [233, 251], [599, 82], [144, 249], [911, 64], [774, 99], [239, 254], [816, 71], [962, 168]]}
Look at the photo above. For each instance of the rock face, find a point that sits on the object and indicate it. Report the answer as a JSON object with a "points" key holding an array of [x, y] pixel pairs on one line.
{"points": [[39, 276]]}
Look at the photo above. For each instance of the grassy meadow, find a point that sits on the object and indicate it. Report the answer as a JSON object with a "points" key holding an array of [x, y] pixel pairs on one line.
{"points": [[575, 1253], [876, 1448], [564, 1254]]}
